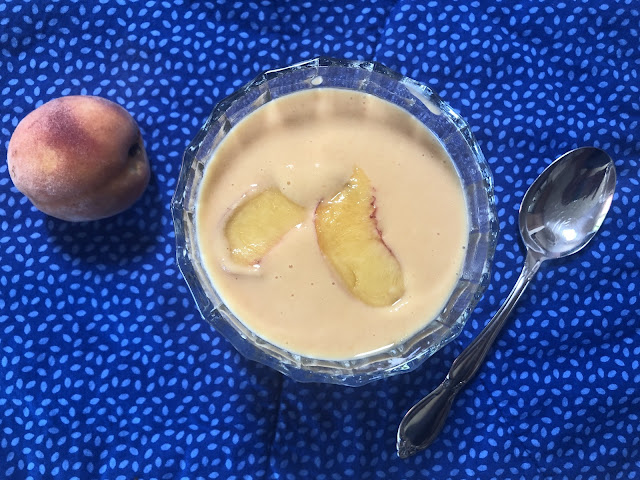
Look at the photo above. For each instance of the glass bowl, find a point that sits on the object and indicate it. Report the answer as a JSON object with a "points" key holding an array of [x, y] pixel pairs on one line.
{"points": [[425, 105]]}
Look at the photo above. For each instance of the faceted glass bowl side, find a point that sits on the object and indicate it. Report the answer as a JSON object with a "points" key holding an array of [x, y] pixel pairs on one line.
{"points": [[454, 134]]}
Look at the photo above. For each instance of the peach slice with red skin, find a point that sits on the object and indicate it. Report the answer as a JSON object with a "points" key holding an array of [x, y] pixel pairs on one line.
{"points": [[350, 239], [258, 223]]}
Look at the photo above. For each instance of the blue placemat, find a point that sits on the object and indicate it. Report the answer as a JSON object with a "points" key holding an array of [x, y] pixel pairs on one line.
{"points": [[108, 371]]}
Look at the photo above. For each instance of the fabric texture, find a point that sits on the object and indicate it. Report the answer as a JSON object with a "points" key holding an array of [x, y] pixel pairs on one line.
{"points": [[109, 371]]}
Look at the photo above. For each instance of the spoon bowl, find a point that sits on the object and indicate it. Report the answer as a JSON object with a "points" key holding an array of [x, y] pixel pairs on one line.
{"points": [[560, 213], [564, 208]]}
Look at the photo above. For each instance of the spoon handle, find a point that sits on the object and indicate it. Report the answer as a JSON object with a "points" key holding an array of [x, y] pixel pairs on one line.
{"points": [[424, 421]]}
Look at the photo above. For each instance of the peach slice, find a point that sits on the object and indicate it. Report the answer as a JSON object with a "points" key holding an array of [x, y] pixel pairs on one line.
{"points": [[349, 237], [258, 223]]}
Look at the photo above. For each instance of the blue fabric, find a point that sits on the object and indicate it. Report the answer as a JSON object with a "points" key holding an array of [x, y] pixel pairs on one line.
{"points": [[108, 371]]}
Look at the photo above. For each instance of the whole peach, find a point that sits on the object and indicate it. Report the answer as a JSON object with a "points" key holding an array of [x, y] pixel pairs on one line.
{"points": [[79, 158]]}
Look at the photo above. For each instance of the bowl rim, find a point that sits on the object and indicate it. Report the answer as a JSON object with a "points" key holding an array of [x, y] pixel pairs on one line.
{"points": [[301, 368]]}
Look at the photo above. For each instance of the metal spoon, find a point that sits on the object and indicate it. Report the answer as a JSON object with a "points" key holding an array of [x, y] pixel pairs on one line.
{"points": [[562, 210]]}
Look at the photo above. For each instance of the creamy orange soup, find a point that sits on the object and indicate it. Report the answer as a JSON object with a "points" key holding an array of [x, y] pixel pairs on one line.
{"points": [[307, 144]]}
